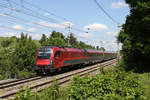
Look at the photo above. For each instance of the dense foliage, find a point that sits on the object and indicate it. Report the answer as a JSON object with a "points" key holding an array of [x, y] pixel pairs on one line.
{"points": [[58, 39], [52, 93], [135, 36], [17, 56], [110, 85]]}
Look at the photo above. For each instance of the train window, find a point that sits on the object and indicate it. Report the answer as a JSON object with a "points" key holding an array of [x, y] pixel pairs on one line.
{"points": [[44, 53], [57, 53], [85, 53]]}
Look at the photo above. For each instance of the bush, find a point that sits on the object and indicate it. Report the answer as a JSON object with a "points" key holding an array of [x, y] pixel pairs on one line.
{"points": [[1, 77], [17, 56], [54, 92], [25, 74], [145, 80], [27, 95], [113, 84], [7, 42]]}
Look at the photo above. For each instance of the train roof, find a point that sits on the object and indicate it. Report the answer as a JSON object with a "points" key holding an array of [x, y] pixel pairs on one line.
{"points": [[98, 51], [76, 49], [94, 51]]}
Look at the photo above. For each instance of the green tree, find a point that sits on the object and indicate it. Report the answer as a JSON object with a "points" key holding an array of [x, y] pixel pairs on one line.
{"points": [[7, 70], [57, 39], [43, 40], [25, 51], [57, 42], [57, 35], [102, 48], [82, 45], [135, 36], [6, 43], [73, 40]]}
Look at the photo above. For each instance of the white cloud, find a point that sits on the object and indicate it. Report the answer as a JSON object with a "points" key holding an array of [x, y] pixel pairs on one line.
{"points": [[96, 26], [18, 27], [112, 33], [84, 35], [18, 35], [48, 34], [57, 25], [9, 34], [114, 41], [32, 29], [67, 23], [36, 36], [1, 14], [118, 4], [47, 14]]}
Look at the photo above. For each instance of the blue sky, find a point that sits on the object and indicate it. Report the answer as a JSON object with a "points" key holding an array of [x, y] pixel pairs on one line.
{"points": [[81, 14]]}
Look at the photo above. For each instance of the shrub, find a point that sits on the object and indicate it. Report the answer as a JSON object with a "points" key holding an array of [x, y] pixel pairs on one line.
{"points": [[113, 84], [54, 92], [27, 95], [25, 74]]}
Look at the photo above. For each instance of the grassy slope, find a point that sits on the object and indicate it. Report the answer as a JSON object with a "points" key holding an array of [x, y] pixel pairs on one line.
{"points": [[145, 80]]}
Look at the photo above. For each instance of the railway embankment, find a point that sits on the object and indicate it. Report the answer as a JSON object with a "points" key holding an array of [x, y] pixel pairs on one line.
{"points": [[109, 84], [38, 84]]}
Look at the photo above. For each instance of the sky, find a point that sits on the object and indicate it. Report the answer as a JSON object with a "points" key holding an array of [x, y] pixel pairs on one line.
{"points": [[88, 22]]}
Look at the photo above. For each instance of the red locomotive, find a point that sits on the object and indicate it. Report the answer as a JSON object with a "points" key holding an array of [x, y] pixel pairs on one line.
{"points": [[52, 58]]}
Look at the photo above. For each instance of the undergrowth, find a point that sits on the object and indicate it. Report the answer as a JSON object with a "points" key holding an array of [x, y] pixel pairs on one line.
{"points": [[111, 84]]}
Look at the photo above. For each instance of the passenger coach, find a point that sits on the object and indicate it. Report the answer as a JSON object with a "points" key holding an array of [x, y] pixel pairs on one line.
{"points": [[52, 58]]}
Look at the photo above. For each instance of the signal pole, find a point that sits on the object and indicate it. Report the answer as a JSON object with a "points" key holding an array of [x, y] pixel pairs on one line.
{"points": [[101, 42], [69, 32]]}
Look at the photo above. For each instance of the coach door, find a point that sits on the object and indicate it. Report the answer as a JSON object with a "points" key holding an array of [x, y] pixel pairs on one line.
{"points": [[57, 58]]}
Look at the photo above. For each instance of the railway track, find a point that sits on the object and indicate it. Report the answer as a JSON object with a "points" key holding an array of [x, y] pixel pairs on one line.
{"points": [[18, 81], [39, 83]]}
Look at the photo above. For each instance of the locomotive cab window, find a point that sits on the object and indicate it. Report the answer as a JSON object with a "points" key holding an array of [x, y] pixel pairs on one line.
{"points": [[57, 53], [44, 53]]}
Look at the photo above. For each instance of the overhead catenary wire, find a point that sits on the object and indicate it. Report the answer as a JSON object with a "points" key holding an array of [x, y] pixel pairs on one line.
{"points": [[44, 10], [108, 15], [28, 9], [12, 21], [22, 30], [111, 18], [26, 22], [38, 15], [10, 5], [26, 13], [33, 14]]}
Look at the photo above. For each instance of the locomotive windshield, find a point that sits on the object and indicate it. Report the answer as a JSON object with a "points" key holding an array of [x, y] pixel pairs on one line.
{"points": [[44, 53]]}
